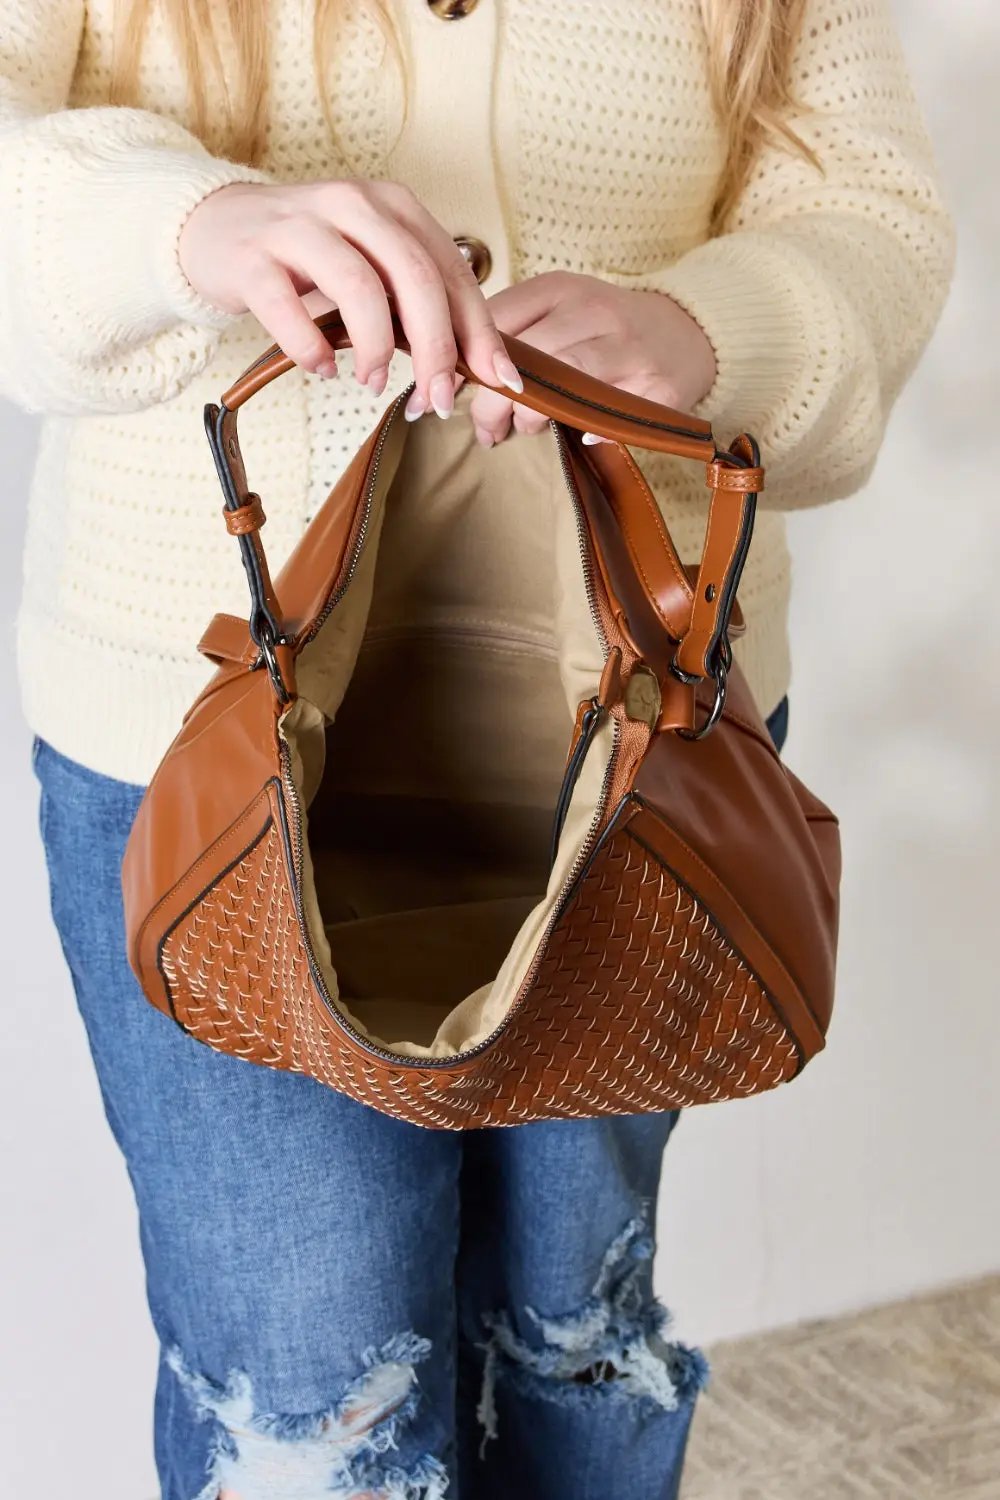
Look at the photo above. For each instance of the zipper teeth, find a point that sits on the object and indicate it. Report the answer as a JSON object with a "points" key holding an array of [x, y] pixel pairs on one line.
{"points": [[583, 853], [347, 575]]}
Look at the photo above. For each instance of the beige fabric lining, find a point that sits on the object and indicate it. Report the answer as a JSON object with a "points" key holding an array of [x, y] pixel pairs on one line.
{"points": [[429, 739]]}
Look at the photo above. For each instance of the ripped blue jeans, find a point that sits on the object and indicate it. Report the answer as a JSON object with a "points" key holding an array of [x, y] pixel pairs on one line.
{"points": [[355, 1307]]}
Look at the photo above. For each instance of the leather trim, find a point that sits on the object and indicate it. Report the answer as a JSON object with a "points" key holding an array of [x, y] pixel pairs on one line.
{"points": [[623, 488], [773, 1001], [631, 808], [219, 875], [150, 937], [227, 638], [727, 541], [551, 386], [220, 428], [248, 517], [666, 845], [719, 477]]}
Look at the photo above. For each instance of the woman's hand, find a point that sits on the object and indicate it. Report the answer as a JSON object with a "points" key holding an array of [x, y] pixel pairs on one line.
{"points": [[257, 248], [639, 341]]}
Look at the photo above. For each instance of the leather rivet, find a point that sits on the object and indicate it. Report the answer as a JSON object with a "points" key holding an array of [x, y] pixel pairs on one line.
{"points": [[477, 254], [231, 445], [710, 592], [452, 10]]}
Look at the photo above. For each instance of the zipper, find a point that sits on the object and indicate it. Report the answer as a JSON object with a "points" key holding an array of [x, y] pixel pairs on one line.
{"points": [[588, 728], [583, 853], [347, 575]]}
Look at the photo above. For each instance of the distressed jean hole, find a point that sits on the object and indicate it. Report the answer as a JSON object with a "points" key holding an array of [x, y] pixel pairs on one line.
{"points": [[609, 1347], [360, 1448], [596, 1373]]}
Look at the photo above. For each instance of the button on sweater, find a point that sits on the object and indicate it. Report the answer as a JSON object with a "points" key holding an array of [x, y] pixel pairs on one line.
{"points": [[578, 136]]}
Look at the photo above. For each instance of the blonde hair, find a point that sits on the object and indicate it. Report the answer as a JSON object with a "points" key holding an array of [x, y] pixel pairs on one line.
{"points": [[750, 44]]}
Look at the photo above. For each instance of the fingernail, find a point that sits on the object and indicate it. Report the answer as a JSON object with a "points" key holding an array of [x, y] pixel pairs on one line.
{"points": [[327, 368], [506, 372], [442, 394], [377, 380], [415, 407], [590, 438], [486, 439]]}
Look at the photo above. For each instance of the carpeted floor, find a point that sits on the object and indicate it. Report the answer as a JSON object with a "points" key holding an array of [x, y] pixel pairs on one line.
{"points": [[901, 1403]]}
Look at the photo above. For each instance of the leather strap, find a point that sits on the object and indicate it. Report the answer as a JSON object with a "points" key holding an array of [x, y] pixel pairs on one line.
{"points": [[265, 611], [249, 517], [718, 477], [692, 608], [727, 540], [697, 619], [551, 387]]}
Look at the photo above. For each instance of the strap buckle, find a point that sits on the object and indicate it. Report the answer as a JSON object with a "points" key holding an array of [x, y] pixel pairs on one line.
{"points": [[720, 676], [266, 642]]}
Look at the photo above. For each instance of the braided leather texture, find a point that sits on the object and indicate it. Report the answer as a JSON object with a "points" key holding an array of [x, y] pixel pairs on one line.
{"points": [[638, 1003]]}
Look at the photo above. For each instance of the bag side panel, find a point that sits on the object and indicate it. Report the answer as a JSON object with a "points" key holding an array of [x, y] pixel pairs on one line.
{"points": [[208, 781], [755, 835]]}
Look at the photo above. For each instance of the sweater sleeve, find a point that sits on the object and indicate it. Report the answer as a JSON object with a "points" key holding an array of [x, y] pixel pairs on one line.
{"points": [[821, 294], [96, 314]]}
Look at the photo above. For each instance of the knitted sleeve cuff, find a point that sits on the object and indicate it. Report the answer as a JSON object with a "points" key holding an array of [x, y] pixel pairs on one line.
{"points": [[110, 211], [181, 182], [752, 307], [97, 314]]}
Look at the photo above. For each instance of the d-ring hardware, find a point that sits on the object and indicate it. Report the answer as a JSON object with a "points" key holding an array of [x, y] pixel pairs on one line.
{"points": [[721, 676], [266, 642]]}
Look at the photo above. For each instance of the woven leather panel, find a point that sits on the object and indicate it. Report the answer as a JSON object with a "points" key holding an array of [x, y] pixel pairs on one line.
{"points": [[639, 1003]]}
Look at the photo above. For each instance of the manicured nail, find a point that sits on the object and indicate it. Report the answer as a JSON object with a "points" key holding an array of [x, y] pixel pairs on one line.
{"points": [[378, 380], [486, 439], [327, 368], [507, 374], [442, 394], [590, 438], [415, 407]]}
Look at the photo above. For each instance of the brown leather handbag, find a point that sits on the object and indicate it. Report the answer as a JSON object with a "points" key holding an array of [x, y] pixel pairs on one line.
{"points": [[361, 857]]}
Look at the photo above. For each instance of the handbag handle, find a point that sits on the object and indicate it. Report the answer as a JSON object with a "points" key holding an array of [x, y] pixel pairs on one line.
{"points": [[574, 399], [555, 389]]}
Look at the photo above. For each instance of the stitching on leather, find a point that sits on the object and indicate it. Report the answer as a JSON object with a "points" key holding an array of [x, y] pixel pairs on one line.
{"points": [[613, 411], [635, 551], [710, 634], [716, 881], [696, 632], [777, 1009], [550, 385], [197, 901], [699, 632], [233, 826], [654, 511], [731, 942]]}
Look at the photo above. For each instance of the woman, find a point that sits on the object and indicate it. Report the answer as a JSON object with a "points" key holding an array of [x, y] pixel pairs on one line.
{"points": [[725, 206]]}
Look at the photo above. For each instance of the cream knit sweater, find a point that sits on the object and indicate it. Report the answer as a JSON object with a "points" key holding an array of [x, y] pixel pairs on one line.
{"points": [[575, 135]]}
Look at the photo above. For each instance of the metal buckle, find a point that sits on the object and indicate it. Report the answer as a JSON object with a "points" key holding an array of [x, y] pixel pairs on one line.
{"points": [[266, 642], [721, 677]]}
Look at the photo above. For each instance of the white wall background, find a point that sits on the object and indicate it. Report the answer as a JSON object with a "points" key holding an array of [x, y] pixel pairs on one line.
{"points": [[875, 1174]]}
